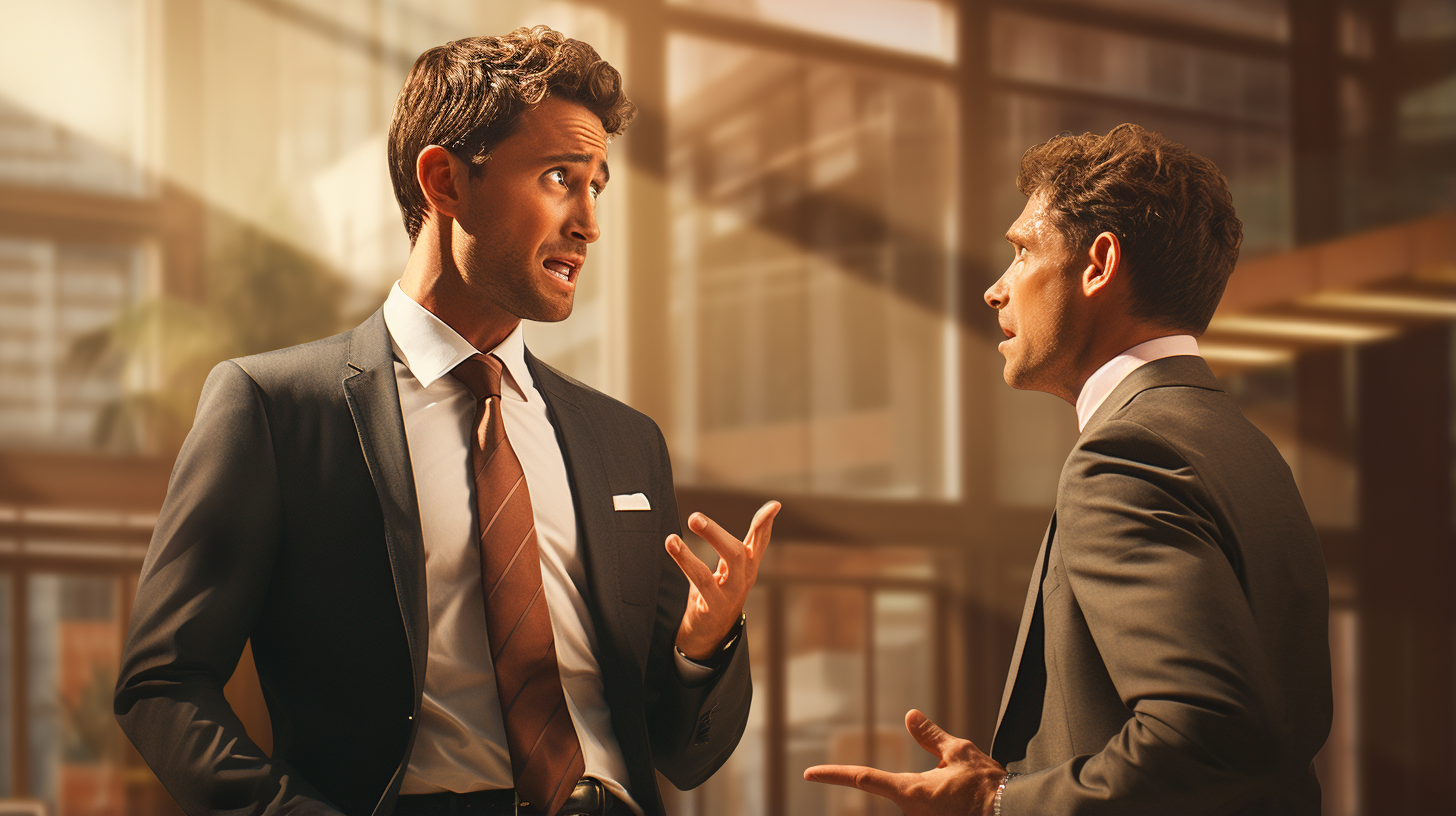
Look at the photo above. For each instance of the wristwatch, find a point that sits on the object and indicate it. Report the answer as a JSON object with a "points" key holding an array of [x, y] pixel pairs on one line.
{"points": [[1000, 789], [725, 646]]}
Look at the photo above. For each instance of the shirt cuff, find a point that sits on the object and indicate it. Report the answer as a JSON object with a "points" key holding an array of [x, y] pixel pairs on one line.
{"points": [[690, 671]]}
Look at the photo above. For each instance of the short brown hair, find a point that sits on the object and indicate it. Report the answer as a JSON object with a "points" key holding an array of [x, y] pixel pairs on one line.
{"points": [[468, 95], [1169, 208]]}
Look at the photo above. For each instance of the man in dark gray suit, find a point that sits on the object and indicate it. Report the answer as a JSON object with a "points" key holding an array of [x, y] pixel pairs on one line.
{"points": [[1173, 653], [460, 569]]}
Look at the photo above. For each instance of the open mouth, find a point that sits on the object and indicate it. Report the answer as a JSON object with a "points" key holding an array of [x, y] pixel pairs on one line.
{"points": [[1009, 333], [562, 269]]}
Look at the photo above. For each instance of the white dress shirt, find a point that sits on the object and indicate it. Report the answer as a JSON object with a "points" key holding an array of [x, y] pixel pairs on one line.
{"points": [[461, 744], [1114, 371]]}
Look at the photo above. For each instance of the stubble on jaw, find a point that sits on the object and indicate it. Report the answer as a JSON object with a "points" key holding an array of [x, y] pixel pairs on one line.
{"points": [[1043, 356]]}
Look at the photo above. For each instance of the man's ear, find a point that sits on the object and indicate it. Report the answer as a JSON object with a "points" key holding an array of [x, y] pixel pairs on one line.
{"points": [[1104, 264], [438, 171]]}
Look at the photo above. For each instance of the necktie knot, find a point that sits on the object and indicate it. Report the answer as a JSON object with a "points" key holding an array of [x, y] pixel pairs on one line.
{"points": [[481, 373]]}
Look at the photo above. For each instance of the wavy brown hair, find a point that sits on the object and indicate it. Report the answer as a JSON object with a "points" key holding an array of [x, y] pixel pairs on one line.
{"points": [[468, 95], [1169, 208]]}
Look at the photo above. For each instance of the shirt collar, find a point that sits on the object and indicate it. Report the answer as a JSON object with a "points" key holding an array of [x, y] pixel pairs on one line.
{"points": [[429, 348], [1114, 371]]}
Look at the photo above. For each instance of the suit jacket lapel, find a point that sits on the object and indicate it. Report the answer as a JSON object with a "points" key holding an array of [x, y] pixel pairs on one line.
{"points": [[1033, 592], [592, 494], [373, 398]]}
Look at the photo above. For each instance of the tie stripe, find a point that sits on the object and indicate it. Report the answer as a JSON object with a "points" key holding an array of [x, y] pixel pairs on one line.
{"points": [[545, 751], [517, 554], [491, 524]]}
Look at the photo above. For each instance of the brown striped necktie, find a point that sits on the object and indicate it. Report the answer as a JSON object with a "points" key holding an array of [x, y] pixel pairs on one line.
{"points": [[546, 759]]}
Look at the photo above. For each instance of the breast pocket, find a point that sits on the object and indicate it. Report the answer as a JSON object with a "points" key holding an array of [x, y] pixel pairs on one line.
{"points": [[644, 520]]}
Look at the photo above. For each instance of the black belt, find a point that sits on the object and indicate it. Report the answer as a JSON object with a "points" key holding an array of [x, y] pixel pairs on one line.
{"points": [[589, 798]]}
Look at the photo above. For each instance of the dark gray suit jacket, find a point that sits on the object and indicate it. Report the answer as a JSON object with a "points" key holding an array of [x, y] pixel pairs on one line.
{"points": [[292, 519], [1173, 654]]}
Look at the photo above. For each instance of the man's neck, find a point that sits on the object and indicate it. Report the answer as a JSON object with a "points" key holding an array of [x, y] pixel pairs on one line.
{"points": [[1106, 346], [432, 279]]}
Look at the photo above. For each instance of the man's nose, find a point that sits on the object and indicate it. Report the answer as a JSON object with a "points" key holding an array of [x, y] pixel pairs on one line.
{"points": [[995, 297], [584, 224]]}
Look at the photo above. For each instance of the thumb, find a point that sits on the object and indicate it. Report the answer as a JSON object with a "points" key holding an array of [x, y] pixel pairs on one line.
{"points": [[930, 736]]}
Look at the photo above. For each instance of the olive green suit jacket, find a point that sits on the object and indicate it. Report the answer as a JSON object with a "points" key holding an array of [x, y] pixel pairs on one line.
{"points": [[1173, 654]]}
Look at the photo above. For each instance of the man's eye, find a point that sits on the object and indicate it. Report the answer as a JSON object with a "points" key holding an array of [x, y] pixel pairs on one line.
{"points": [[595, 191], [558, 176]]}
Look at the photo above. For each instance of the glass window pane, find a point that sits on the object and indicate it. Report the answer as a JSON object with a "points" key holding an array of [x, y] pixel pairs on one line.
{"points": [[825, 628], [76, 747], [80, 123], [1079, 57], [1264, 19], [925, 27], [811, 276], [904, 676], [52, 297]]}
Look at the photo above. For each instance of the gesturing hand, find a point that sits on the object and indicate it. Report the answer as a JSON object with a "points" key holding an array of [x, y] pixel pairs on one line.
{"points": [[716, 598], [964, 783]]}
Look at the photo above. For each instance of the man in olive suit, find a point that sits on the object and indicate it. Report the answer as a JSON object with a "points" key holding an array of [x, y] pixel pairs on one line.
{"points": [[1173, 654]]}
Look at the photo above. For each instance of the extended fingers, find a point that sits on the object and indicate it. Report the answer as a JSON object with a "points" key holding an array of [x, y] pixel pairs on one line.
{"points": [[869, 780], [730, 548], [761, 530], [930, 736], [692, 566]]}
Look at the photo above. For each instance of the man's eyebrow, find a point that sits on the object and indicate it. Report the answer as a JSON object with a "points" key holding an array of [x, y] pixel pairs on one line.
{"points": [[581, 158]]}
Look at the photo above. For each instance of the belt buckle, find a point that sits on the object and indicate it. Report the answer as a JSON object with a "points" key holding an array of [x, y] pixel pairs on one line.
{"points": [[597, 805]]}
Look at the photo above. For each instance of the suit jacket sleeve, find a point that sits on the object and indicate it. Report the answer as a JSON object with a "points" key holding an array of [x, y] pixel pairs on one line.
{"points": [[204, 580], [693, 729], [1145, 568]]}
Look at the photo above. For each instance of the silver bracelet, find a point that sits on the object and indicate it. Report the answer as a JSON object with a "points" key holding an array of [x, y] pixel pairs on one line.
{"points": [[1000, 789]]}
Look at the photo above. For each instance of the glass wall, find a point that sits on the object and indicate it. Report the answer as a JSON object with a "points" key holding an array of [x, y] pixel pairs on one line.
{"points": [[55, 300], [812, 273], [75, 746]]}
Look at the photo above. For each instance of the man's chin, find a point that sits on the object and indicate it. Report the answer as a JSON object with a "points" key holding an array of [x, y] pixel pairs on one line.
{"points": [[550, 312]]}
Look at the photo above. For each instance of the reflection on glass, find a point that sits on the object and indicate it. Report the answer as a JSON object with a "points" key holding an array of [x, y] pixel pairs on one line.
{"points": [[73, 95], [1262, 19], [810, 277], [925, 27], [825, 628], [75, 650], [51, 294], [1077, 57], [904, 676], [7, 704]]}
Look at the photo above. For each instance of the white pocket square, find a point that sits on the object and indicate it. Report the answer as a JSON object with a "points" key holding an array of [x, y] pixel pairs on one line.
{"points": [[631, 501]]}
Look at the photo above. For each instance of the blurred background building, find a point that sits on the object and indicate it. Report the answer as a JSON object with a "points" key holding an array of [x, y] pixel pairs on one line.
{"points": [[802, 222]]}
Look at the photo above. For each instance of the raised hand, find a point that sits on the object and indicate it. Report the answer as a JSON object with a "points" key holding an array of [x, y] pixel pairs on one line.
{"points": [[716, 599], [963, 784]]}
